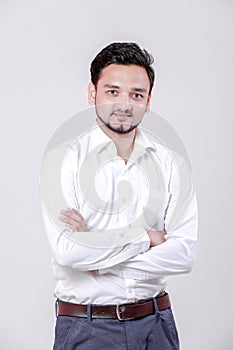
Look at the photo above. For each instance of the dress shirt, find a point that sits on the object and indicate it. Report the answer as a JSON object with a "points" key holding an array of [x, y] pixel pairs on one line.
{"points": [[113, 263]]}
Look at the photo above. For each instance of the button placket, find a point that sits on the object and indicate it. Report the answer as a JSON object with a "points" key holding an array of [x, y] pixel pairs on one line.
{"points": [[130, 289], [123, 214]]}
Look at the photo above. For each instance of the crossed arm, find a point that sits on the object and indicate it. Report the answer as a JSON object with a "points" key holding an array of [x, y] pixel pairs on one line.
{"points": [[169, 253], [74, 220], [153, 254]]}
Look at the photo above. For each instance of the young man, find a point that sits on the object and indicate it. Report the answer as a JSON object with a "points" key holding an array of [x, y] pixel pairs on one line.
{"points": [[111, 288]]}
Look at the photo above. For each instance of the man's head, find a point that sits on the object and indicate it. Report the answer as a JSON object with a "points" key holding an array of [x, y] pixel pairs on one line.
{"points": [[121, 82], [124, 54]]}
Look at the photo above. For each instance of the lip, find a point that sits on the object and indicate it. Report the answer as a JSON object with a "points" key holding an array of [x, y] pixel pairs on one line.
{"points": [[121, 116]]}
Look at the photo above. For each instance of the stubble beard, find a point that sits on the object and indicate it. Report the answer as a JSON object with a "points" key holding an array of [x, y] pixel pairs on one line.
{"points": [[120, 129]]}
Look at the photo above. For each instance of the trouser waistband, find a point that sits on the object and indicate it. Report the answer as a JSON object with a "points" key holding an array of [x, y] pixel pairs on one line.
{"points": [[122, 312]]}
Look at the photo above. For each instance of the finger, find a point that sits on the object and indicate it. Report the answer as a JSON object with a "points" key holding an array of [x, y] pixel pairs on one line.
{"points": [[66, 219], [71, 221], [62, 218], [66, 212], [76, 217], [72, 213], [76, 212], [71, 227], [76, 228]]}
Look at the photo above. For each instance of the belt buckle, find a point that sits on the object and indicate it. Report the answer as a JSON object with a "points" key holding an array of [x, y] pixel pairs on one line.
{"points": [[119, 313]]}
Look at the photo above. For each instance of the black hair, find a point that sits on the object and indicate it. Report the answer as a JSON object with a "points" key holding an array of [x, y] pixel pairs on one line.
{"points": [[125, 53]]}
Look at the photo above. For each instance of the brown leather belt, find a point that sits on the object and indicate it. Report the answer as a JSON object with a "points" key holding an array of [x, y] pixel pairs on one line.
{"points": [[123, 312]]}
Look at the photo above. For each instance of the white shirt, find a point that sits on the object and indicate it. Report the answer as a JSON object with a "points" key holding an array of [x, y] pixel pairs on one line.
{"points": [[119, 202]]}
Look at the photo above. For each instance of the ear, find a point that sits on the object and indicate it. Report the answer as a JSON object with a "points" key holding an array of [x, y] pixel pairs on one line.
{"points": [[91, 94], [148, 104]]}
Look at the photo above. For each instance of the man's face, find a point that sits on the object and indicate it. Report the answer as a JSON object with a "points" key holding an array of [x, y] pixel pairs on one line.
{"points": [[121, 96]]}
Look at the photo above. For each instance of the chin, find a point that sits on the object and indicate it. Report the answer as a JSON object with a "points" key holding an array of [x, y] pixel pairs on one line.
{"points": [[121, 126]]}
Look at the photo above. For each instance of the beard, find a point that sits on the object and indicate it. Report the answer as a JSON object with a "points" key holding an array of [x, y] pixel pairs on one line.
{"points": [[118, 129]]}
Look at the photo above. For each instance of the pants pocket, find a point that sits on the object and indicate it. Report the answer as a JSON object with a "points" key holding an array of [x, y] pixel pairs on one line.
{"points": [[169, 327], [63, 327], [72, 332]]}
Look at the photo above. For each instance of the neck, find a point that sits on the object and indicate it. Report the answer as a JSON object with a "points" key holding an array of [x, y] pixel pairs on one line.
{"points": [[123, 142]]}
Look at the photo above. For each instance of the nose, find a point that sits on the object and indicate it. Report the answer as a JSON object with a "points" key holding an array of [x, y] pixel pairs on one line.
{"points": [[123, 101]]}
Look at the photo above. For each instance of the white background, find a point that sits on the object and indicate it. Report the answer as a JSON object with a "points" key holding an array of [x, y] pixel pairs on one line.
{"points": [[46, 48]]}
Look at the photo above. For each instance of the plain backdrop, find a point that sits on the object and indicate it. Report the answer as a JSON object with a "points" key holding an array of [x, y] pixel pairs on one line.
{"points": [[46, 48]]}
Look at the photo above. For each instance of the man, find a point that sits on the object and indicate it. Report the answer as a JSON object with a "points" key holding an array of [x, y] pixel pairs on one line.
{"points": [[125, 235]]}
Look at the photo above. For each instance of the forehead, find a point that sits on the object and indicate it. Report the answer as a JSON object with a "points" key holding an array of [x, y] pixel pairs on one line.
{"points": [[124, 76]]}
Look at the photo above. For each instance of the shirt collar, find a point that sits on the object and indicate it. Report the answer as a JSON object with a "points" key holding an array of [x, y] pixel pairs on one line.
{"points": [[143, 140], [98, 138]]}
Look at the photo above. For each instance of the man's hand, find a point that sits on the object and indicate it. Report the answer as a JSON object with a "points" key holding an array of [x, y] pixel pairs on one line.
{"points": [[156, 237], [73, 220]]}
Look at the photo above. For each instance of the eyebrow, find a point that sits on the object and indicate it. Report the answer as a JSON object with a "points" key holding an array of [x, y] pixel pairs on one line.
{"points": [[139, 89], [112, 86]]}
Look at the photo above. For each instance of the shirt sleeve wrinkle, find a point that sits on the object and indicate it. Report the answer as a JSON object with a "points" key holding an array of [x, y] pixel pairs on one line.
{"points": [[72, 253], [177, 254]]}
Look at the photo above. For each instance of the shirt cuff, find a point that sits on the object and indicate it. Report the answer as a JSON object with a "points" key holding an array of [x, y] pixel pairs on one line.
{"points": [[143, 245]]}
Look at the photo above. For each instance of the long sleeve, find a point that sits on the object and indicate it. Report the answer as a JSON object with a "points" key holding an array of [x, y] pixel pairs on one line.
{"points": [[80, 250], [176, 254]]}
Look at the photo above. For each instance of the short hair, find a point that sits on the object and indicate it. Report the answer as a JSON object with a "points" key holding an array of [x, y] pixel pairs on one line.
{"points": [[125, 53]]}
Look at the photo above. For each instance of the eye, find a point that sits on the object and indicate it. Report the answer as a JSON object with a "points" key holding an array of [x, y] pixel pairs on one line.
{"points": [[112, 92], [137, 96]]}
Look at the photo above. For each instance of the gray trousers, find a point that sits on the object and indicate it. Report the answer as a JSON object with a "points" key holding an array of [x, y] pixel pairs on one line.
{"points": [[152, 332]]}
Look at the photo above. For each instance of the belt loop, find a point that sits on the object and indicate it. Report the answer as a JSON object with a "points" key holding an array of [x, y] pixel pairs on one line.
{"points": [[89, 312], [56, 307], [156, 306]]}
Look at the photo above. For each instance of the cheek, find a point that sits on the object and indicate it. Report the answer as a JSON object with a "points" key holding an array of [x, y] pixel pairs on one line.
{"points": [[104, 110], [100, 98], [139, 110], [103, 103]]}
